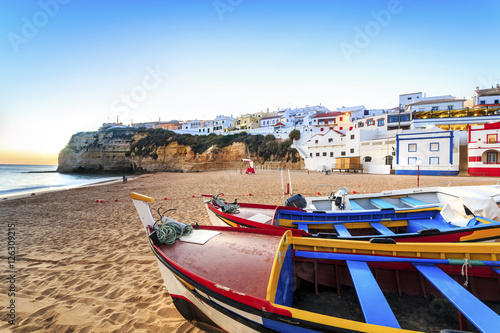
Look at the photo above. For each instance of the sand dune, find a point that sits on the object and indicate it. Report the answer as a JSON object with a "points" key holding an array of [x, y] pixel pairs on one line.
{"points": [[85, 266]]}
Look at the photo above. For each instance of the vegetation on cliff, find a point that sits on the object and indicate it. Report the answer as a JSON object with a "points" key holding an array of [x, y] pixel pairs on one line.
{"points": [[265, 147]]}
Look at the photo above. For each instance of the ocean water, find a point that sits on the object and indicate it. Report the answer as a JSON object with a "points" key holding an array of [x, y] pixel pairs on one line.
{"points": [[25, 179]]}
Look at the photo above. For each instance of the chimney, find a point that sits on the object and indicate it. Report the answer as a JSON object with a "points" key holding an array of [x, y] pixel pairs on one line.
{"points": [[477, 88]]}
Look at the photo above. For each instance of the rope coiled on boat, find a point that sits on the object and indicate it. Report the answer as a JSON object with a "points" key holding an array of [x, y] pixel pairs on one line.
{"points": [[230, 208], [169, 230]]}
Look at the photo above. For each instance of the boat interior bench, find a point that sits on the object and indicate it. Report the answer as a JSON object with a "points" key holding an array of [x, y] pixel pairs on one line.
{"points": [[382, 204], [342, 230], [412, 201], [382, 229], [355, 206], [377, 311], [477, 312]]}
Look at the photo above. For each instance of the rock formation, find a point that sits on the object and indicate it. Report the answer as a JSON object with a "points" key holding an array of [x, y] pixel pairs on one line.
{"points": [[111, 151]]}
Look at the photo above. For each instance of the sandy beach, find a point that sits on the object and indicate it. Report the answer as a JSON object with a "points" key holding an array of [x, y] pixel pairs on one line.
{"points": [[85, 266]]}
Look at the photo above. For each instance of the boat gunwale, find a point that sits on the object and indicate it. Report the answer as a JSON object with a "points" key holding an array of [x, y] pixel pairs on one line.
{"points": [[245, 223], [258, 306]]}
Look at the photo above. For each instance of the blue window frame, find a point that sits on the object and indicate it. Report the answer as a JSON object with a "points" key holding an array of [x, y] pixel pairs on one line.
{"points": [[433, 160], [434, 146], [412, 147], [412, 161]]}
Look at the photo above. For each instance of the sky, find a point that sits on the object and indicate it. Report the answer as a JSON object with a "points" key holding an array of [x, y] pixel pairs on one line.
{"points": [[67, 66]]}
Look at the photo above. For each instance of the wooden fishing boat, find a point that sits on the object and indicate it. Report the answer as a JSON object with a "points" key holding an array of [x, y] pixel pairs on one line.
{"points": [[443, 217], [254, 280]]}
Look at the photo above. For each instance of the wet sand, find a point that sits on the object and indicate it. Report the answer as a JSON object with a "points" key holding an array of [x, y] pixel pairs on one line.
{"points": [[85, 266]]}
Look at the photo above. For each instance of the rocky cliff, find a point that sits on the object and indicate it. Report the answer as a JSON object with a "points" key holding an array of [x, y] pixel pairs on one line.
{"points": [[115, 151]]}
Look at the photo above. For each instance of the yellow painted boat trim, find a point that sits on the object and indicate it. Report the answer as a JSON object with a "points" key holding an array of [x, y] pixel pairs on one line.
{"points": [[279, 258], [471, 251], [338, 322], [489, 233], [140, 197], [347, 224], [419, 209], [228, 222]]}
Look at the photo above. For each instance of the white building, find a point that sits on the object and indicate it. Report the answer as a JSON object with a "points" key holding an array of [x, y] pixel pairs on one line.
{"points": [[437, 151], [487, 97], [335, 120], [374, 149], [221, 123], [437, 105], [269, 121], [484, 150], [192, 125]]}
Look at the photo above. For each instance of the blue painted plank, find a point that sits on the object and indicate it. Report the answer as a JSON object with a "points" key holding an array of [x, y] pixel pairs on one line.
{"points": [[355, 206], [303, 226], [342, 230], [382, 204], [373, 303], [496, 270], [412, 201], [485, 319], [382, 229]]}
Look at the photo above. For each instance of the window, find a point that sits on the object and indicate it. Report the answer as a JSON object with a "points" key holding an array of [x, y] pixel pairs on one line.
{"points": [[361, 124], [352, 150], [434, 146], [412, 147], [409, 98], [366, 112], [380, 122], [492, 158], [342, 153], [388, 160], [315, 141], [434, 108], [496, 101], [491, 138], [370, 122], [368, 158], [352, 136], [331, 154], [324, 153], [434, 160], [341, 118], [472, 158], [412, 161], [405, 117], [310, 154], [330, 140], [322, 129], [317, 154], [482, 102]]}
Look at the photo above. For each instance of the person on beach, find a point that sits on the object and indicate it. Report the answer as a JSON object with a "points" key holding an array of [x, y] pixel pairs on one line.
{"points": [[124, 179]]}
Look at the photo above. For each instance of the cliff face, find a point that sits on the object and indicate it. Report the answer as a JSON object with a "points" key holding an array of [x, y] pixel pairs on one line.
{"points": [[97, 152], [109, 152]]}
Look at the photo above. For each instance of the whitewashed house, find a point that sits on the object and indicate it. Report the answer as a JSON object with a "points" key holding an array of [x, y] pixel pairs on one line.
{"points": [[320, 150], [484, 150], [487, 97], [192, 125], [269, 121], [439, 104], [437, 151], [332, 121], [223, 123], [373, 149]]}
